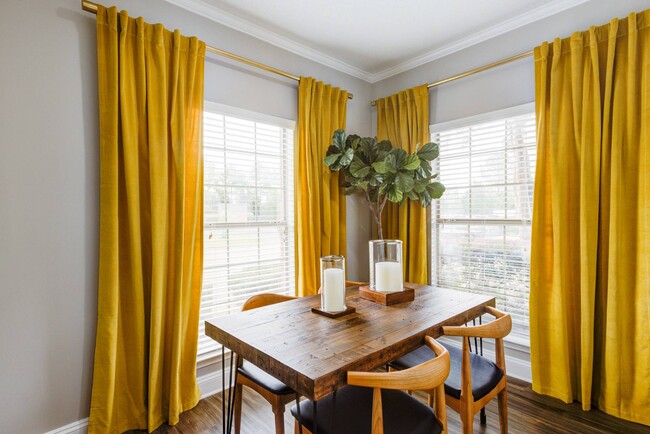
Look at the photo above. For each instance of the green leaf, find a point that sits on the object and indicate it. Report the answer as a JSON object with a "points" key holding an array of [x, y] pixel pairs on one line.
{"points": [[394, 194], [346, 158], [351, 190], [381, 167], [391, 163], [332, 150], [399, 155], [424, 171], [376, 180], [412, 195], [425, 198], [339, 139], [436, 189], [384, 146], [331, 159], [404, 182], [411, 162], [429, 151], [352, 141], [359, 169], [420, 185]]}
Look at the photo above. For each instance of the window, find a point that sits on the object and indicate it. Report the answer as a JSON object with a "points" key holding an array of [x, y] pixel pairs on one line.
{"points": [[248, 212], [481, 226]]}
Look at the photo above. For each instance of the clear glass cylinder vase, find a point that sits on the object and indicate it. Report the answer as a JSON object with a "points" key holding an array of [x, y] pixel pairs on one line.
{"points": [[332, 278], [386, 265]]}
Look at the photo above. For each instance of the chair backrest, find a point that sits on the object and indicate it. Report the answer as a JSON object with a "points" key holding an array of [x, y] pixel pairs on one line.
{"points": [[429, 377], [497, 330], [265, 299]]}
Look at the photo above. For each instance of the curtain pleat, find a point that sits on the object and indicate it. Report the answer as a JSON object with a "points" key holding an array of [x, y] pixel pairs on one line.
{"points": [[403, 118], [319, 201], [590, 258], [151, 218]]}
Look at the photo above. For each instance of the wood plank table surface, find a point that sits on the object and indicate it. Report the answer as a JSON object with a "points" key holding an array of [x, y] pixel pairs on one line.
{"points": [[312, 354]]}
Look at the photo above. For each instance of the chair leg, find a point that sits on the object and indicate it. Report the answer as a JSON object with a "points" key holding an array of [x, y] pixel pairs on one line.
{"points": [[278, 410], [297, 429], [467, 418], [239, 389], [503, 411]]}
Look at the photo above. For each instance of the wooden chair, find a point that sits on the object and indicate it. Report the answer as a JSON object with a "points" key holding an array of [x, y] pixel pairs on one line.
{"points": [[273, 390], [373, 402], [473, 380]]}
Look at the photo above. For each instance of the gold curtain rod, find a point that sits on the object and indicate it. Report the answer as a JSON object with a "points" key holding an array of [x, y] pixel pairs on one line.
{"points": [[474, 71], [89, 6]]}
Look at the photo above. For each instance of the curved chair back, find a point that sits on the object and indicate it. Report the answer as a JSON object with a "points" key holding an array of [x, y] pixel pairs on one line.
{"points": [[466, 405], [265, 299], [429, 377]]}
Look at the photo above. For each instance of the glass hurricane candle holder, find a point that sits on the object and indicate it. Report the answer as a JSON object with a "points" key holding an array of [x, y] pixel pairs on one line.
{"points": [[386, 265], [332, 277]]}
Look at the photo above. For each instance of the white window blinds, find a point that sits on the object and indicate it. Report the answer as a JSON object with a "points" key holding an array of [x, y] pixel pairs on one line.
{"points": [[481, 226], [248, 212]]}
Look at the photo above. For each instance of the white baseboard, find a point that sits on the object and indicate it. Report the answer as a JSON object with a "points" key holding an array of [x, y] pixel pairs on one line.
{"points": [[210, 384], [78, 427]]}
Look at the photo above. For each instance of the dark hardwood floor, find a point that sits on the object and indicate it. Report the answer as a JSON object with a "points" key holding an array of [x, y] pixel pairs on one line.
{"points": [[528, 413]]}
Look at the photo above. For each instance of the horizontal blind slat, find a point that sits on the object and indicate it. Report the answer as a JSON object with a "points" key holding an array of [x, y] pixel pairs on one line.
{"points": [[248, 232], [488, 169]]}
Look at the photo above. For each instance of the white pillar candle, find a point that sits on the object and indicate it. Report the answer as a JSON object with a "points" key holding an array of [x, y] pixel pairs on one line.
{"points": [[333, 290], [388, 276]]}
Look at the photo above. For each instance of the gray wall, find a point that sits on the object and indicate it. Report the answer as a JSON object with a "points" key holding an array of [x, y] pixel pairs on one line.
{"points": [[49, 187], [49, 169]]}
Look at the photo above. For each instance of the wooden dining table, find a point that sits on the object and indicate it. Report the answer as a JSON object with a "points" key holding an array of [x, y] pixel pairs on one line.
{"points": [[312, 353]]}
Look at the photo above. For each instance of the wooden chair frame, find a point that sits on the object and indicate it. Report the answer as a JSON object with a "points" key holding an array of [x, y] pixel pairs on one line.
{"points": [[429, 377], [278, 402], [466, 406]]}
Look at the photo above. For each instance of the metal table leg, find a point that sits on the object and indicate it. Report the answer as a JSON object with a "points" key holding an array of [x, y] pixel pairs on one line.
{"points": [[227, 400]]}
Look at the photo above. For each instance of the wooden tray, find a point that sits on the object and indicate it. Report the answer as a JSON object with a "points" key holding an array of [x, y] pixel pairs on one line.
{"points": [[347, 311], [387, 298]]}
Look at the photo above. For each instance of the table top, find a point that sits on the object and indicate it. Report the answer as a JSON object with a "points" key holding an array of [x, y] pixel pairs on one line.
{"points": [[312, 354]]}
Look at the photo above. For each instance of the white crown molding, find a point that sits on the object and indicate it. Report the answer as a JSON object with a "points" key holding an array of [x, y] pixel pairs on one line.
{"points": [[539, 13], [230, 20]]}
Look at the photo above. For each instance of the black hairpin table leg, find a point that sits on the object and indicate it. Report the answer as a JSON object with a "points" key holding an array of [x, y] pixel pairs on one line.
{"points": [[227, 400]]}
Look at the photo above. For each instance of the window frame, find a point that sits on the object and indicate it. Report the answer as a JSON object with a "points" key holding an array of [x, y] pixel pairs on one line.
{"points": [[514, 341], [212, 357]]}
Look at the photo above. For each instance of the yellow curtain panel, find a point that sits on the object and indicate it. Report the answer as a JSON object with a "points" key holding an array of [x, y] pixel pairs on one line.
{"points": [[319, 201], [403, 118], [590, 259], [151, 217]]}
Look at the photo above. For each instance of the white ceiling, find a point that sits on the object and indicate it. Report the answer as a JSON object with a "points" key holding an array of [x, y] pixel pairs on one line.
{"points": [[374, 39]]}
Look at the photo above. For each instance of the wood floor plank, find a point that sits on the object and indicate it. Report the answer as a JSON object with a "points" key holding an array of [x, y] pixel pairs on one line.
{"points": [[529, 413]]}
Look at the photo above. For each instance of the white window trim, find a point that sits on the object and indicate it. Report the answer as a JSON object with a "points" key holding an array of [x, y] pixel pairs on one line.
{"points": [[483, 117], [513, 343], [248, 115]]}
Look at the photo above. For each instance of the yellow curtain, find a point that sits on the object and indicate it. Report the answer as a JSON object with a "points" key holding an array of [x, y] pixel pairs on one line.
{"points": [[590, 260], [151, 217], [319, 201], [403, 118]]}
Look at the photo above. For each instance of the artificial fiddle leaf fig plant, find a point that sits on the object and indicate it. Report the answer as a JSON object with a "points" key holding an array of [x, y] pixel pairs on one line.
{"points": [[384, 173]]}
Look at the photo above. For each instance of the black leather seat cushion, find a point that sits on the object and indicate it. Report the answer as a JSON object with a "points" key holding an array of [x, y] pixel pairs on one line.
{"points": [[263, 379], [353, 415], [485, 374]]}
